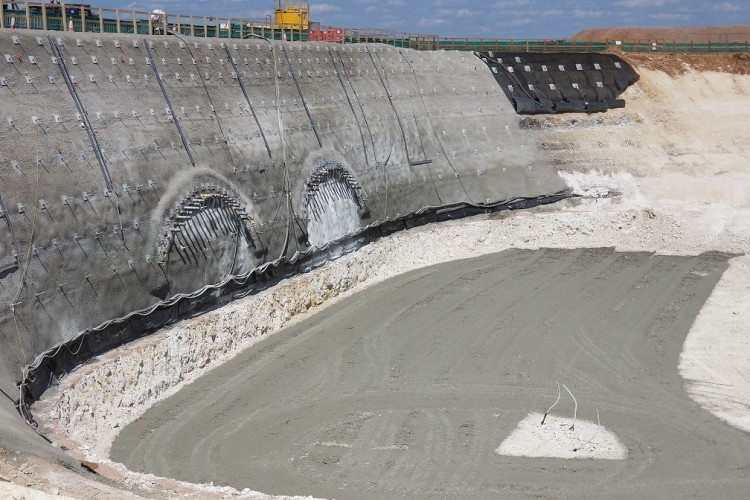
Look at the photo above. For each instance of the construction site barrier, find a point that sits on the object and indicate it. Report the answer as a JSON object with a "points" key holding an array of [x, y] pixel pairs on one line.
{"points": [[73, 17], [327, 35]]}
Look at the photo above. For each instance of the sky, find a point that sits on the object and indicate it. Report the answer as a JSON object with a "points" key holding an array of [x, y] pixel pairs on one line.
{"points": [[546, 19]]}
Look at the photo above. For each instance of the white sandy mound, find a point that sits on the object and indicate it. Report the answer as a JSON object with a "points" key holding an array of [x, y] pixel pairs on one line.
{"points": [[598, 184], [714, 359], [555, 439]]}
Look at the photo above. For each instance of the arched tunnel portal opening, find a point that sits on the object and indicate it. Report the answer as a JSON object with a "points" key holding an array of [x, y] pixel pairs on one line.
{"points": [[333, 204], [209, 229]]}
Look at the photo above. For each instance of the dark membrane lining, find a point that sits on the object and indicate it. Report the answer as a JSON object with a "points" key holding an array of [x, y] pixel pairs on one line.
{"points": [[51, 365], [539, 83]]}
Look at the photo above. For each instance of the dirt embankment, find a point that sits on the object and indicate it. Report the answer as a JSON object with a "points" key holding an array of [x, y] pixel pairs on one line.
{"points": [[679, 64], [696, 34]]}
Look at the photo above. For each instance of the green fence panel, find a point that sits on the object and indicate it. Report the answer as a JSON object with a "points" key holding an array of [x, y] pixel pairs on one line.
{"points": [[110, 26], [93, 24]]}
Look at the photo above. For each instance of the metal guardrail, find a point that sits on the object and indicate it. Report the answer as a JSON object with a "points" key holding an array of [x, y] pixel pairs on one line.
{"points": [[75, 17], [80, 18], [532, 45]]}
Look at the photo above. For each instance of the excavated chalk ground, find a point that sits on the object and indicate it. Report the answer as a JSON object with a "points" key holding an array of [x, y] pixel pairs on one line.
{"points": [[95, 403], [408, 388], [560, 437], [681, 194]]}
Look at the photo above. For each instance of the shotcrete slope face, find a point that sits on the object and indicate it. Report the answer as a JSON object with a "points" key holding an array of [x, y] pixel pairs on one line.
{"points": [[409, 388], [121, 191]]}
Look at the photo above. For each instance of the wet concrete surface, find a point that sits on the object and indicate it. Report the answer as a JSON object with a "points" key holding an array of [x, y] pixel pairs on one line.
{"points": [[407, 389]]}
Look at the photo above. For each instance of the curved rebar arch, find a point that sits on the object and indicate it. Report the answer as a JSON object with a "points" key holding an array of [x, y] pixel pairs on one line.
{"points": [[215, 210], [330, 179]]}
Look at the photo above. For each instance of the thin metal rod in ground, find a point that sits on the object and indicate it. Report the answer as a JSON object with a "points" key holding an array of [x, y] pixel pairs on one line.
{"points": [[553, 405], [22, 472], [575, 408], [598, 428]]}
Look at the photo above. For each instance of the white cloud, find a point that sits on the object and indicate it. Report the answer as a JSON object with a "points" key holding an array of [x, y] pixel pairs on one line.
{"points": [[426, 22], [664, 16], [396, 23], [456, 13], [552, 13], [512, 4], [440, 3], [724, 7], [515, 23], [590, 14], [637, 4], [323, 8]]}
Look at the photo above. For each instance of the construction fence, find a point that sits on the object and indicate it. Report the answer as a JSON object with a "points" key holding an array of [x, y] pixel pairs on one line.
{"points": [[84, 18]]}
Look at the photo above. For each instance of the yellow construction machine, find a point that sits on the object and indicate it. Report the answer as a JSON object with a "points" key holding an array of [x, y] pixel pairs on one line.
{"points": [[292, 15]]}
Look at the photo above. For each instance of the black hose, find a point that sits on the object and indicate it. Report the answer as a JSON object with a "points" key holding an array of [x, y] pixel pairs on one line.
{"points": [[351, 106], [437, 137], [301, 96], [169, 104], [4, 213], [82, 111], [362, 110], [247, 98], [393, 106]]}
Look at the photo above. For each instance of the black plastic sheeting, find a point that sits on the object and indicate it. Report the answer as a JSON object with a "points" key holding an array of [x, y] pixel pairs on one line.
{"points": [[51, 365], [540, 83]]}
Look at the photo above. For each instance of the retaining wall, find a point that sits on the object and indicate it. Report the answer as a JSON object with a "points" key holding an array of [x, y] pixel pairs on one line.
{"points": [[136, 170]]}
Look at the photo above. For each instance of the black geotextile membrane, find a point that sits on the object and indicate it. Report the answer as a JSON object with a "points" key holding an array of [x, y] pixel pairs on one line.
{"points": [[541, 83]]}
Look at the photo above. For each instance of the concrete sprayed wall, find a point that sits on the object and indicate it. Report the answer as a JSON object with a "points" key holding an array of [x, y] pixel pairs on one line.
{"points": [[369, 131], [133, 170]]}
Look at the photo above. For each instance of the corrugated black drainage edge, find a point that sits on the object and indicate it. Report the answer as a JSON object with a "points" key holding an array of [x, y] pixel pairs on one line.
{"points": [[50, 366]]}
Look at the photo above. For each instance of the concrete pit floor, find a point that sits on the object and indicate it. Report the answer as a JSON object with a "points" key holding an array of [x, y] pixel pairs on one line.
{"points": [[408, 388]]}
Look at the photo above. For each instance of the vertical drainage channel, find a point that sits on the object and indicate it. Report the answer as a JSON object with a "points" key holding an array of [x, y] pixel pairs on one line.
{"points": [[299, 90], [82, 112], [169, 104], [247, 98]]}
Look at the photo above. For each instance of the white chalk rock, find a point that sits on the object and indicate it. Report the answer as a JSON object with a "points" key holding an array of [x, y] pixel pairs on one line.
{"points": [[555, 439]]}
